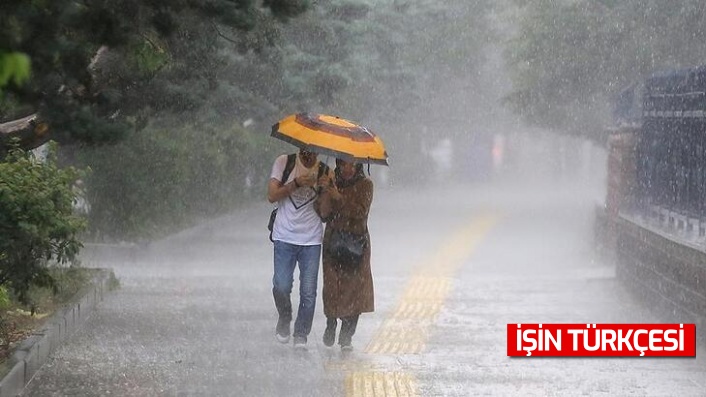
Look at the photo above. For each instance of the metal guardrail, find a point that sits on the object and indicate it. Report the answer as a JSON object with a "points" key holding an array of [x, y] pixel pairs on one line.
{"points": [[671, 153], [674, 114], [671, 165]]}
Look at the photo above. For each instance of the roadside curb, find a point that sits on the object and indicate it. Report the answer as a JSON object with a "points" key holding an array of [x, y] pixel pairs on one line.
{"points": [[35, 350]]}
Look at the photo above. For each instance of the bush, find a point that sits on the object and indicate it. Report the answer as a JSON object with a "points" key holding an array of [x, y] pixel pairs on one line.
{"points": [[37, 222], [160, 180]]}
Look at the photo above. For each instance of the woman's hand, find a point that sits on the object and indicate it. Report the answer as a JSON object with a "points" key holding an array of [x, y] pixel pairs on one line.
{"points": [[325, 181], [325, 184]]}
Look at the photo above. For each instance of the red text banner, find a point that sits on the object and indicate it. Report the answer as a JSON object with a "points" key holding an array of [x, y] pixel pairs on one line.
{"points": [[609, 340]]}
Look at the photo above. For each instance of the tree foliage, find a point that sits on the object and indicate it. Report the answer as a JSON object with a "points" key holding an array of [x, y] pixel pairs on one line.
{"points": [[168, 84], [568, 58], [388, 64], [165, 179], [99, 67], [37, 222]]}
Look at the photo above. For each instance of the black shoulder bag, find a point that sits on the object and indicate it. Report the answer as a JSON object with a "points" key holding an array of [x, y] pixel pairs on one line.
{"points": [[346, 249]]}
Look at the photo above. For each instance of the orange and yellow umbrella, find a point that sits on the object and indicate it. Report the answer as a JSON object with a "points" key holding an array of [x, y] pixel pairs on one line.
{"points": [[332, 136]]}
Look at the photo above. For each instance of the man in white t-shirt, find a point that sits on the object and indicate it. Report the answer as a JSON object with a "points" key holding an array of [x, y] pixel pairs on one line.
{"points": [[297, 235]]}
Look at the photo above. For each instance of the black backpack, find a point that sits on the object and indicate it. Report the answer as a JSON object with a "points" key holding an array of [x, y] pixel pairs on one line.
{"points": [[291, 160]]}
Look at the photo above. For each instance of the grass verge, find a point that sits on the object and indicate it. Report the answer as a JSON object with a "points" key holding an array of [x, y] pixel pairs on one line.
{"points": [[18, 321]]}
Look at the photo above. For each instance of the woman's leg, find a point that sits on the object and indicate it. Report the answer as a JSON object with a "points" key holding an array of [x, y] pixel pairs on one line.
{"points": [[330, 332], [348, 325]]}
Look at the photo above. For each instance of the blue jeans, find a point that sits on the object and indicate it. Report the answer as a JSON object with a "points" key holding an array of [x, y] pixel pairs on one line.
{"points": [[286, 258]]}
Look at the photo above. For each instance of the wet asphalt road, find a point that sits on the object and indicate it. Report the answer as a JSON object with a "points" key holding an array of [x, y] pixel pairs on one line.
{"points": [[452, 267]]}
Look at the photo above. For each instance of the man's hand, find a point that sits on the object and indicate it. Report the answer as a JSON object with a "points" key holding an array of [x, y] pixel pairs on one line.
{"points": [[306, 180]]}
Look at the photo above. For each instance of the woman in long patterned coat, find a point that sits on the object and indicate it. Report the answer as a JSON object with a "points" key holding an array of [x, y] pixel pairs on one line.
{"points": [[348, 290]]}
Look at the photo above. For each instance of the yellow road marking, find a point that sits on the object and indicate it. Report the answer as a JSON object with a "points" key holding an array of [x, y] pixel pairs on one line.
{"points": [[380, 384], [407, 328]]}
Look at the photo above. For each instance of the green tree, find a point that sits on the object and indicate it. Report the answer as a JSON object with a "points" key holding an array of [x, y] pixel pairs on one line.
{"points": [[101, 68], [150, 72], [568, 58], [169, 83], [37, 223]]}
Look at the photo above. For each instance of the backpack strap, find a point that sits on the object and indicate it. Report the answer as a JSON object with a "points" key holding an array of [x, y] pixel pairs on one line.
{"points": [[289, 167], [291, 160]]}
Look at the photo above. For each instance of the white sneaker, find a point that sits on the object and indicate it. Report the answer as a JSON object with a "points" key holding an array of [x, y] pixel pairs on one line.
{"points": [[282, 338], [282, 331]]}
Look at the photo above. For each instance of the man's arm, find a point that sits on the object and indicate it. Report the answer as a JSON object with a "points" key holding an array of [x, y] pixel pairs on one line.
{"points": [[276, 191]]}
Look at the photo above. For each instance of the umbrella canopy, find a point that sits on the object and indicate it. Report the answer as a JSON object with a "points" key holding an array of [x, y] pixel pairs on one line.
{"points": [[332, 136]]}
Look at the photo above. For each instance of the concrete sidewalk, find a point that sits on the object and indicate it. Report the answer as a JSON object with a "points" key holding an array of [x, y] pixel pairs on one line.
{"points": [[195, 316]]}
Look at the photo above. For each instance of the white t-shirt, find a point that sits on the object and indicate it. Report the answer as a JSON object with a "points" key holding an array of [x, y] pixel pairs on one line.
{"points": [[297, 222]]}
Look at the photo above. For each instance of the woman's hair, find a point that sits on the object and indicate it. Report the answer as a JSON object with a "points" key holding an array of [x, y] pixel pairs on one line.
{"points": [[340, 182], [358, 165]]}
